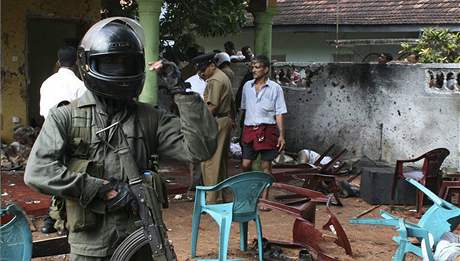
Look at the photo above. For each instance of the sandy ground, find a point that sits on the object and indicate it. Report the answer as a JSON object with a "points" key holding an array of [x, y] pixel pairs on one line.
{"points": [[368, 242]]}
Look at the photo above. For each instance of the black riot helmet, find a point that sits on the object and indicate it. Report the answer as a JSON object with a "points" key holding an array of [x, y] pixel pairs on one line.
{"points": [[111, 58]]}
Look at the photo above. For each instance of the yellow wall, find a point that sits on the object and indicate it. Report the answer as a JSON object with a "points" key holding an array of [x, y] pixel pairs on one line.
{"points": [[14, 14]]}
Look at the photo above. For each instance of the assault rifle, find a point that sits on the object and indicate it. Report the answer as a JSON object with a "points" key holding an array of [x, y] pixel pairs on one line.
{"points": [[152, 231]]}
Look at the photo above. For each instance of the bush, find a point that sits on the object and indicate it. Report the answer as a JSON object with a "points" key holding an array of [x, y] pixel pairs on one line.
{"points": [[435, 46]]}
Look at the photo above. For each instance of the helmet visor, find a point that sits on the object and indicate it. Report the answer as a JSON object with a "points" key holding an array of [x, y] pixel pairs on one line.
{"points": [[119, 64]]}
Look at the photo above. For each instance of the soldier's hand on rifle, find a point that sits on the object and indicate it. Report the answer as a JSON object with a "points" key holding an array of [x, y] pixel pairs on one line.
{"points": [[169, 76], [117, 195]]}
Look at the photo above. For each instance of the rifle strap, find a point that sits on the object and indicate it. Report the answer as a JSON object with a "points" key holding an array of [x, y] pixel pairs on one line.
{"points": [[151, 218]]}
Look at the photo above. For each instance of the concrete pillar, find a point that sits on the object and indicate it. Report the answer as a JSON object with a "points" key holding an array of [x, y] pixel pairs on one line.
{"points": [[149, 14], [263, 32]]}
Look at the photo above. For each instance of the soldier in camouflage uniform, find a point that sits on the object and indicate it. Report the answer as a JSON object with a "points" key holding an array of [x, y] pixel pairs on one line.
{"points": [[72, 159]]}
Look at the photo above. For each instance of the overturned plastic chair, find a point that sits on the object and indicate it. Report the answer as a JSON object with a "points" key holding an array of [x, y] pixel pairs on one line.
{"points": [[440, 218], [246, 188], [15, 236]]}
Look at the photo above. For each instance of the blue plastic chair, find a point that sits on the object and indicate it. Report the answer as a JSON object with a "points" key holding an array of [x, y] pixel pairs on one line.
{"points": [[440, 218], [246, 188], [15, 236]]}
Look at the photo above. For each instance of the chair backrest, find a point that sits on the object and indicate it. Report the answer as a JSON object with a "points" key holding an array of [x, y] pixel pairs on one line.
{"points": [[433, 161], [246, 188], [15, 236], [441, 217], [437, 220]]}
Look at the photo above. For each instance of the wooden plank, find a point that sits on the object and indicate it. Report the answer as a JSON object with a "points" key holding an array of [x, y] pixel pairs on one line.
{"points": [[50, 247]]}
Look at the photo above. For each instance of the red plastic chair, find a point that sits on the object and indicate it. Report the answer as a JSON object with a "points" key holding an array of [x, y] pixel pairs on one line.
{"points": [[447, 190], [304, 232], [430, 171]]}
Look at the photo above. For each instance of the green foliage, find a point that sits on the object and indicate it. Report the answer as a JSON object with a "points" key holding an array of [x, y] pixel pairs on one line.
{"points": [[205, 17], [127, 8], [435, 46], [183, 20]]}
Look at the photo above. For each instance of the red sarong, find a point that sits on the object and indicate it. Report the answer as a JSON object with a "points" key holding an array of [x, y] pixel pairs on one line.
{"points": [[262, 137]]}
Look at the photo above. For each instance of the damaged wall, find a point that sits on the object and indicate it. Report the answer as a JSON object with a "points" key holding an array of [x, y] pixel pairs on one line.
{"points": [[14, 16], [349, 104]]}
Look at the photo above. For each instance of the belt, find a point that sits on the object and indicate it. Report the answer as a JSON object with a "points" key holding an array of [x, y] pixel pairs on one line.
{"points": [[259, 125]]}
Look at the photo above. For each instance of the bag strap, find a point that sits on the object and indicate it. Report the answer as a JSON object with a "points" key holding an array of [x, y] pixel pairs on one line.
{"points": [[80, 127], [151, 220], [161, 249]]}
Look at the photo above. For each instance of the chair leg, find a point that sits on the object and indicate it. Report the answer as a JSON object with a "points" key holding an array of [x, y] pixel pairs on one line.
{"points": [[196, 218], [243, 236], [429, 251], [419, 203], [225, 226], [458, 199], [393, 188], [400, 254], [260, 247]]}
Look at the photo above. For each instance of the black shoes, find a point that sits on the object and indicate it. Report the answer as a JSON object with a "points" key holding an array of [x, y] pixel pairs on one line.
{"points": [[48, 225]]}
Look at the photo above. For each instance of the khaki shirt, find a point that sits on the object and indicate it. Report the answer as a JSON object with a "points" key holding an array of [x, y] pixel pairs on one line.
{"points": [[218, 92], [147, 130]]}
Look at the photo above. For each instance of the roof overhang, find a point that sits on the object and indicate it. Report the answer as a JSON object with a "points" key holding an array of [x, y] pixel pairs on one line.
{"points": [[367, 42], [344, 28]]}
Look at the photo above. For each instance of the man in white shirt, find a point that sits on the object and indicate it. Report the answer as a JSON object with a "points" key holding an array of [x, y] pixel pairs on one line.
{"points": [[59, 89], [263, 106], [64, 85]]}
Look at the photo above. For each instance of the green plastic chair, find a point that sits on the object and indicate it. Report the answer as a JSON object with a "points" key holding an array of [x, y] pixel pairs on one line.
{"points": [[15, 236], [440, 218], [246, 188]]}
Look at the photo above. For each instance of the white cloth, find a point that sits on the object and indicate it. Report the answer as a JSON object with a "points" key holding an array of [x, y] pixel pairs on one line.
{"points": [[417, 175], [198, 84], [64, 85], [448, 248], [235, 149], [282, 159], [310, 157]]}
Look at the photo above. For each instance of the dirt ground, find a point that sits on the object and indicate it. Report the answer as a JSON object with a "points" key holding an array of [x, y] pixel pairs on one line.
{"points": [[368, 242]]}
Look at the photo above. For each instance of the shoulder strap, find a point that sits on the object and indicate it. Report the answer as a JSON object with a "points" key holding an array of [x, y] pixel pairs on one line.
{"points": [[80, 129]]}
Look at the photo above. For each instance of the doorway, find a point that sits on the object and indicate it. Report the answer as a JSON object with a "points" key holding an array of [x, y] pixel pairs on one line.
{"points": [[45, 37]]}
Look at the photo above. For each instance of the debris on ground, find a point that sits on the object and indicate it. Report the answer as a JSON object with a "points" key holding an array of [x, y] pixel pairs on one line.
{"points": [[14, 156], [283, 158], [347, 189], [274, 252], [235, 150], [183, 197], [311, 156]]}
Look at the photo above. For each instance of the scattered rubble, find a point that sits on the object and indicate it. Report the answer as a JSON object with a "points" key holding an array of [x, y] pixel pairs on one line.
{"points": [[14, 156]]}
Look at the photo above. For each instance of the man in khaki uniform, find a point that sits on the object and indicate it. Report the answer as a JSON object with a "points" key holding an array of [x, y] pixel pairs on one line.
{"points": [[218, 96], [77, 156]]}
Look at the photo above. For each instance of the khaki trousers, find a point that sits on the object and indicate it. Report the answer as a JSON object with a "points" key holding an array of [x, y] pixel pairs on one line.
{"points": [[214, 170]]}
